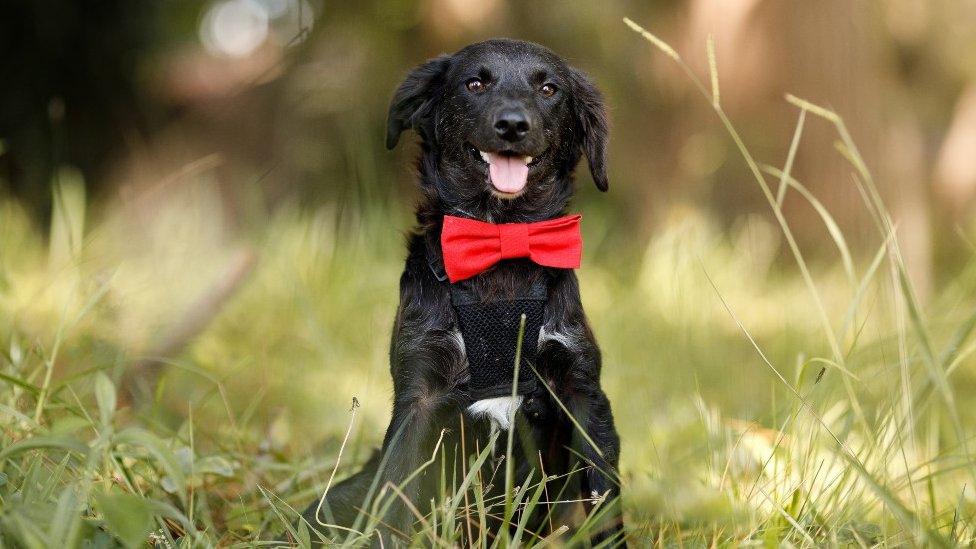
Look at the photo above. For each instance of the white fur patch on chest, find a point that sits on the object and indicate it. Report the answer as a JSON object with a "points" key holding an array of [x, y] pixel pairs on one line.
{"points": [[549, 333], [500, 410]]}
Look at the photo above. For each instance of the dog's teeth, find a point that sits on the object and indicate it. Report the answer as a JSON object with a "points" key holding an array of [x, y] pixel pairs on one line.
{"points": [[528, 159], [484, 156]]}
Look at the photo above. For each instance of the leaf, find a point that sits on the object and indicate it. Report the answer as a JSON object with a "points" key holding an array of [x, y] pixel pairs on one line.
{"points": [[8, 410], [67, 425], [66, 521], [162, 509], [44, 442], [19, 383], [105, 396], [216, 465], [304, 540], [128, 516], [160, 450], [29, 533]]}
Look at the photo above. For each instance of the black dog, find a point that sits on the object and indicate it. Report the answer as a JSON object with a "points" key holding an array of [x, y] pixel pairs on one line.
{"points": [[503, 124]]}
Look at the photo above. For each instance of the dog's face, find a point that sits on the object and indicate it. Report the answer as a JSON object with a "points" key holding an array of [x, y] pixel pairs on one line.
{"points": [[503, 124]]}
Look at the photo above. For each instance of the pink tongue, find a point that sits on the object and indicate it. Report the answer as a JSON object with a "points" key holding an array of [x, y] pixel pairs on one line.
{"points": [[508, 173]]}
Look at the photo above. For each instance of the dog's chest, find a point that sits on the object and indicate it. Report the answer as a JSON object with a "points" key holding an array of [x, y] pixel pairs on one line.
{"points": [[500, 333]]}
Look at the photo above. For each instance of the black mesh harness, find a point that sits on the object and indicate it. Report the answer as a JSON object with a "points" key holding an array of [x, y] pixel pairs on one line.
{"points": [[490, 330]]}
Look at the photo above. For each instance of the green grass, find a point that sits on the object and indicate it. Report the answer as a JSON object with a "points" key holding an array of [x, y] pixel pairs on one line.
{"points": [[762, 398]]}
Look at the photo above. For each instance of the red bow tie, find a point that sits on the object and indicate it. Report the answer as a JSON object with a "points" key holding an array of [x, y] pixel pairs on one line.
{"points": [[470, 246]]}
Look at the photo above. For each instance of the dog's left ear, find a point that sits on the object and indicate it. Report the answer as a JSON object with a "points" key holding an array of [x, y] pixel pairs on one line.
{"points": [[592, 126], [412, 102]]}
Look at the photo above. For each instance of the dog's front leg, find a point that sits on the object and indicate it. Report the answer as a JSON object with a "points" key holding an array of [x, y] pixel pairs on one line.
{"points": [[409, 442], [572, 365], [425, 364], [598, 444]]}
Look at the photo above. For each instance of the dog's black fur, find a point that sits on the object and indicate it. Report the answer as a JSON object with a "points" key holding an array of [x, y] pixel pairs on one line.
{"points": [[454, 102]]}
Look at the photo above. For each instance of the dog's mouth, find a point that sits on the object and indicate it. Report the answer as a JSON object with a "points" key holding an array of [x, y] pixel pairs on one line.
{"points": [[508, 171]]}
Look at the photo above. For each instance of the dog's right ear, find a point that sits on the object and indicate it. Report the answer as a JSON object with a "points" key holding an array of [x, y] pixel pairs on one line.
{"points": [[412, 102]]}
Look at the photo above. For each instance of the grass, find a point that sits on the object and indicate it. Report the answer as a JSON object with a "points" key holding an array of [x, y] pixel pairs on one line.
{"points": [[760, 401]]}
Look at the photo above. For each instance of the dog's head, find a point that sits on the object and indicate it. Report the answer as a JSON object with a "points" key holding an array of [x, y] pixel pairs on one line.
{"points": [[502, 124]]}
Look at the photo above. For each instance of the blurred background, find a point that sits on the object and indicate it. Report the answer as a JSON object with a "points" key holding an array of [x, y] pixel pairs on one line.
{"points": [[206, 181], [287, 99]]}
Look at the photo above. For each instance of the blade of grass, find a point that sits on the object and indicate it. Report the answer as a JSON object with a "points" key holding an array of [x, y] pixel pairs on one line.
{"points": [[713, 71], [509, 460], [777, 212], [790, 156], [786, 180]]}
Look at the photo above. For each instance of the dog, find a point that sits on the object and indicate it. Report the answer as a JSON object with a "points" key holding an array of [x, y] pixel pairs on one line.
{"points": [[502, 125]]}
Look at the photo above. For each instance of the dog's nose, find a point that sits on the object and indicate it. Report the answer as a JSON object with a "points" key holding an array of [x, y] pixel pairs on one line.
{"points": [[512, 124]]}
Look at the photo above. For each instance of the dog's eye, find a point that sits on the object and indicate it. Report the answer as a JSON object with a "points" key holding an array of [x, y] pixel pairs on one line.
{"points": [[548, 90], [475, 85]]}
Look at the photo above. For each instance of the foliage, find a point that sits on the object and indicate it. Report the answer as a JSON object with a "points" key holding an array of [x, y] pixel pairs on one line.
{"points": [[756, 404]]}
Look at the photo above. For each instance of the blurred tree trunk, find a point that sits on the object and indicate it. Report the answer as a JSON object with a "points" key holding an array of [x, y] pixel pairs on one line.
{"points": [[955, 170], [832, 53]]}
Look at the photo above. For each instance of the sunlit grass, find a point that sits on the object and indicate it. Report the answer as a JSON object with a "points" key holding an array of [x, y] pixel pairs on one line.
{"points": [[761, 397]]}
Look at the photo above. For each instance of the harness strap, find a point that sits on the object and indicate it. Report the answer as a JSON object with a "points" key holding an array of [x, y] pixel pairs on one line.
{"points": [[490, 330]]}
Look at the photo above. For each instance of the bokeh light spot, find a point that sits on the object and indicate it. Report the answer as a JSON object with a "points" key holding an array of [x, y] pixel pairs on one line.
{"points": [[234, 28]]}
